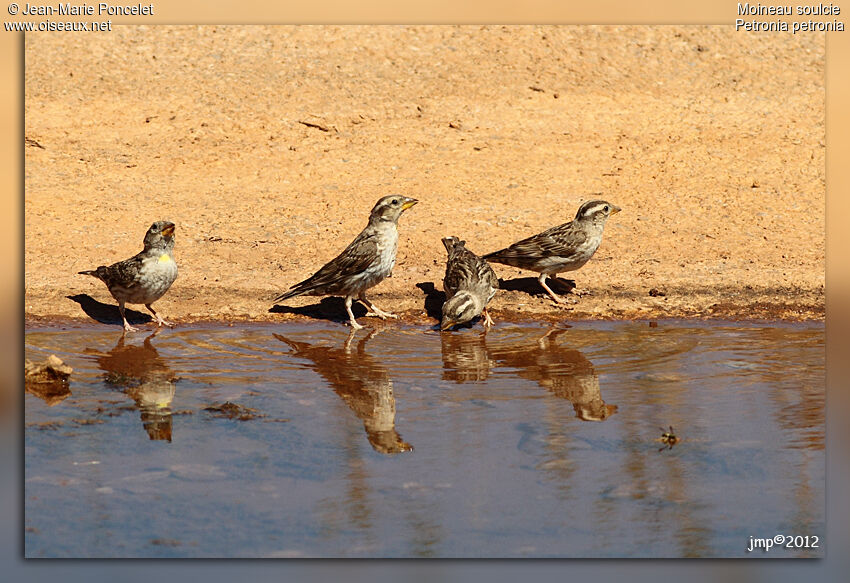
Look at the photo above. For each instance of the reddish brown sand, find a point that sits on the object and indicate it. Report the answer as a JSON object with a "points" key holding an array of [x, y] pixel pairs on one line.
{"points": [[267, 146]]}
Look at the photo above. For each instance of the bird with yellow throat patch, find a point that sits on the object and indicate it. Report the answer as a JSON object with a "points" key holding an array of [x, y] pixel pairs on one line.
{"points": [[145, 277]]}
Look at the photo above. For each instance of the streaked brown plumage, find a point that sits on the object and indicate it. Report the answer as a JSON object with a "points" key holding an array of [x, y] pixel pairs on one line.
{"points": [[145, 277], [562, 248], [366, 262], [470, 283]]}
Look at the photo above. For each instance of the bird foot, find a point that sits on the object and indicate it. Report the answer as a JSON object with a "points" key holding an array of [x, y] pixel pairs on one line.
{"points": [[488, 321], [564, 301], [128, 328], [354, 325], [376, 313], [160, 322], [555, 297]]}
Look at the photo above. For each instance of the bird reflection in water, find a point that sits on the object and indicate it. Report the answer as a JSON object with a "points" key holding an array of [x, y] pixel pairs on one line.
{"points": [[361, 382], [465, 357], [565, 372], [142, 374]]}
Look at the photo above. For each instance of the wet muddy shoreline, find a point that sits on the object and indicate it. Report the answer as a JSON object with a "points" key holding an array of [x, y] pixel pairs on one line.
{"points": [[790, 314], [737, 305]]}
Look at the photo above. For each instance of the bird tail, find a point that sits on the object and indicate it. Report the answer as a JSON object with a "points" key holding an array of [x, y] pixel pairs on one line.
{"points": [[451, 243], [295, 291], [284, 296], [91, 272], [300, 288], [295, 346]]}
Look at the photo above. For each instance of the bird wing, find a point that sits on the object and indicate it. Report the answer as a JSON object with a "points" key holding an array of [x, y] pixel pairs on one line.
{"points": [[124, 273], [555, 242], [458, 270], [465, 268], [490, 275], [356, 258]]}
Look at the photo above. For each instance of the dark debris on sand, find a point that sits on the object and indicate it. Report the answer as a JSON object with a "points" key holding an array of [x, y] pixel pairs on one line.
{"points": [[230, 410]]}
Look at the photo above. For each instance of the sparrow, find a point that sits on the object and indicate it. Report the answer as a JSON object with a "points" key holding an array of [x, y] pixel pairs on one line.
{"points": [[470, 283], [366, 262], [563, 248], [145, 277]]}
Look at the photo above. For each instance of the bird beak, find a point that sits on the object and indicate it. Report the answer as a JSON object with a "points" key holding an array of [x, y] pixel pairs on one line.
{"points": [[408, 203], [446, 324], [615, 209], [169, 230]]}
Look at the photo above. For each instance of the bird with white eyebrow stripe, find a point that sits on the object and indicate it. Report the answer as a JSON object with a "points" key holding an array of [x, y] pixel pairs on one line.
{"points": [[367, 261], [563, 248], [470, 283]]}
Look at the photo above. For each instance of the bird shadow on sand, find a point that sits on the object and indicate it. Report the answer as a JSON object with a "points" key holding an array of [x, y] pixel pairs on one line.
{"points": [[434, 299], [329, 308], [108, 313], [532, 287]]}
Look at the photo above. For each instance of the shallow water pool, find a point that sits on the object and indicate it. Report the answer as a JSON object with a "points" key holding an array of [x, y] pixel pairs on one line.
{"points": [[304, 440]]}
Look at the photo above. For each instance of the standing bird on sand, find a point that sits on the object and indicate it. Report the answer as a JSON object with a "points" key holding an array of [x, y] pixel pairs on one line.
{"points": [[470, 283], [145, 277], [563, 248], [365, 263]]}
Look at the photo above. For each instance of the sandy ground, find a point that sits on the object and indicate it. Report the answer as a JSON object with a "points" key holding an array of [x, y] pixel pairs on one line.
{"points": [[267, 146]]}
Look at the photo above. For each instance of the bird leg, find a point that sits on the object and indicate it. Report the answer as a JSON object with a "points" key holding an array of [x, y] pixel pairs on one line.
{"points": [[159, 320], [488, 321], [351, 320], [573, 289], [127, 327], [375, 310], [557, 298]]}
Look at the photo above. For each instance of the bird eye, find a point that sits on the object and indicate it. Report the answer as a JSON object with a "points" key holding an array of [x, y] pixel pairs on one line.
{"points": [[605, 208], [395, 201]]}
